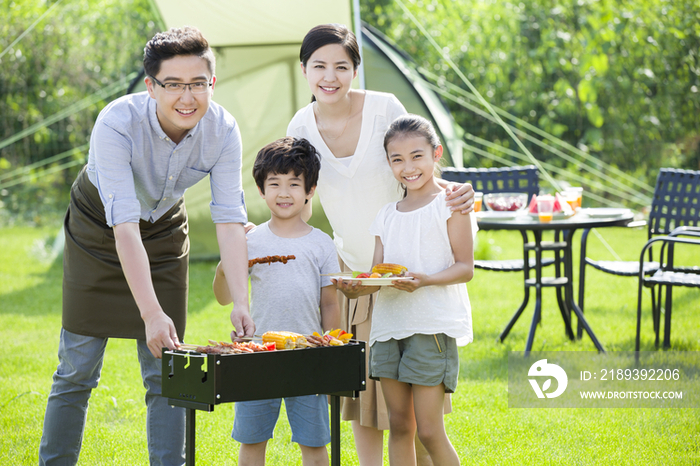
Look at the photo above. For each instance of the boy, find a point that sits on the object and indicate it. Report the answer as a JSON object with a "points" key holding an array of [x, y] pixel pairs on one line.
{"points": [[287, 296]]}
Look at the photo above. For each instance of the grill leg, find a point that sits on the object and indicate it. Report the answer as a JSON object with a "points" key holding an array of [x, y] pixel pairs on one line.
{"points": [[189, 436], [335, 430]]}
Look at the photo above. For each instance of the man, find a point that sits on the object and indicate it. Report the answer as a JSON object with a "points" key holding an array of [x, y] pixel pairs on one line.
{"points": [[126, 254]]}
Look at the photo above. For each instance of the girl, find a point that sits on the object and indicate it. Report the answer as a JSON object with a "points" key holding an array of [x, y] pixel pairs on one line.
{"points": [[418, 324], [347, 127]]}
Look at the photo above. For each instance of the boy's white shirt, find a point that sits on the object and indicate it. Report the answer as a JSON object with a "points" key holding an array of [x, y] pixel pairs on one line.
{"points": [[287, 296]]}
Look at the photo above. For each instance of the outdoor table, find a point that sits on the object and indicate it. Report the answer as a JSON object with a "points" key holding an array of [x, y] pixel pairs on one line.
{"points": [[563, 227]]}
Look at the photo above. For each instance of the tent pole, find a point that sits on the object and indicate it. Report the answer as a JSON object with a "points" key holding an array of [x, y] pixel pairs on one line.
{"points": [[358, 33]]}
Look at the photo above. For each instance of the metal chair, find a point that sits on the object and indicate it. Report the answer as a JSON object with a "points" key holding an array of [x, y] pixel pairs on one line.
{"points": [[667, 276], [675, 204], [500, 180]]}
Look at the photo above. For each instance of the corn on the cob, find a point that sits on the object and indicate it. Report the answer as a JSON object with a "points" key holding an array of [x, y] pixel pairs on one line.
{"points": [[394, 269], [282, 340]]}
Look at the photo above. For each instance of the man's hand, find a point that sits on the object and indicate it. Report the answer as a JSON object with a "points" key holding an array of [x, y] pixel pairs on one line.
{"points": [[160, 333], [160, 330], [242, 322]]}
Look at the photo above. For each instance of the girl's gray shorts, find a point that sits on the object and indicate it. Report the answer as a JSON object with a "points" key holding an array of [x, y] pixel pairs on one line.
{"points": [[427, 360]]}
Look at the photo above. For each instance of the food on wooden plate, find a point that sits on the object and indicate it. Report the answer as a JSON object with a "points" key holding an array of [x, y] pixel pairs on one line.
{"points": [[270, 260]]}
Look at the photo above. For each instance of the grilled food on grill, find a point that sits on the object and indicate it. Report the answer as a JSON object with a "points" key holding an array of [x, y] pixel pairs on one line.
{"points": [[277, 340], [286, 340], [222, 347]]}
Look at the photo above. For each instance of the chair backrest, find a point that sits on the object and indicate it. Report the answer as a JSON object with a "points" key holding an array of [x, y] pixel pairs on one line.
{"points": [[497, 180], [676, 201]]}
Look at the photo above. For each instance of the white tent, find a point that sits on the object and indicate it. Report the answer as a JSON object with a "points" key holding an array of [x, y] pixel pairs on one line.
{"points": [[260, 82]]}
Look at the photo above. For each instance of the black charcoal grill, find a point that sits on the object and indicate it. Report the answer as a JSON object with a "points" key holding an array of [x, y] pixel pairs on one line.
{"points": [[198, 381]]}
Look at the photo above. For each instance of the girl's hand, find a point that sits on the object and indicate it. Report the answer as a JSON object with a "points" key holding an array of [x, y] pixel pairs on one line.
{"points": [[419, 280], [460, 197], [353, 288]]}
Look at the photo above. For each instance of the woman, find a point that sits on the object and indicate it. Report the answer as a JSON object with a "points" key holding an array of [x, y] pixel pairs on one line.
{"points": [[347, 127]]}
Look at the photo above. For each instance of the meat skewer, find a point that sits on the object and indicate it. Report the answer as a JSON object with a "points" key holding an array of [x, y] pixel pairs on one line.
{"points": [[270, 260]]}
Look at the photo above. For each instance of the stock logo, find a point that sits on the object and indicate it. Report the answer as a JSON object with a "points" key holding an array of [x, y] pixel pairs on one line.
{"points": [[542, 369]]}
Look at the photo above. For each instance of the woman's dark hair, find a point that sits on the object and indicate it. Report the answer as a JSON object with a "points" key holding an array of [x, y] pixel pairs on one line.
{"points": [[326, 34], [411, 124], [287, 155], [176, 42]]}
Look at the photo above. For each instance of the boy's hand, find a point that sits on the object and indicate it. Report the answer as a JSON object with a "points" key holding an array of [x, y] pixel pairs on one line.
{"points": [[353, 288], [419, 280]]}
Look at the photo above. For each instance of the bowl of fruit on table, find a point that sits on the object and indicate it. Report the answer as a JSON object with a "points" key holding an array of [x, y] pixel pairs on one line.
{"points": [[505, 202]]}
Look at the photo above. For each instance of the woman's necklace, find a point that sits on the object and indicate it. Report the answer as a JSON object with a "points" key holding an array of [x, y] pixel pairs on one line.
{"points": [[323, 131]]}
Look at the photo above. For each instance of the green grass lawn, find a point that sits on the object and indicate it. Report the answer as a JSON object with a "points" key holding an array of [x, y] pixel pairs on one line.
{"points": [[482, 427]]}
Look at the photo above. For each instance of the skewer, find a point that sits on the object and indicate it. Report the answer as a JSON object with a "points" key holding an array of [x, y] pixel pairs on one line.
{"points": [[189, 347]]}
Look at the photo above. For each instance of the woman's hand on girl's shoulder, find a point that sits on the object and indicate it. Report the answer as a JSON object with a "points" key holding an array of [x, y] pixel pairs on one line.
{"points": [[460, 197]]}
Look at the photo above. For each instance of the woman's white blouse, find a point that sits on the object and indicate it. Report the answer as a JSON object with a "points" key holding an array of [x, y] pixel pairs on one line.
{"points": [[351, 195]]}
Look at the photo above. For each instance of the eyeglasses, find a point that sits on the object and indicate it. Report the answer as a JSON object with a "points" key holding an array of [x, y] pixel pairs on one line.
{"points": [[179, 88]]}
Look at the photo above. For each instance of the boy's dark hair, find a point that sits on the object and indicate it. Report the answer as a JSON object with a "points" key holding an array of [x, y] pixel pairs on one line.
{"points": [[175, 42], [287, 155]]}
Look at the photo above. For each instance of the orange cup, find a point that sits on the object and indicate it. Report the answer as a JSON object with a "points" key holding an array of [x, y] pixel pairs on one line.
{"points": [[573, 196], [545, 208], [478, 199]]}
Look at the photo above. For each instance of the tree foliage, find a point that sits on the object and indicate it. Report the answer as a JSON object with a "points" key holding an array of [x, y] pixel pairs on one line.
{"points": [[75, 51], [618, 79]]}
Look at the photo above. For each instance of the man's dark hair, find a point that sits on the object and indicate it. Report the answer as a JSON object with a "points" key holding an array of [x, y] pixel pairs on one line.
{"points": [[287, 155], [176, 42]]}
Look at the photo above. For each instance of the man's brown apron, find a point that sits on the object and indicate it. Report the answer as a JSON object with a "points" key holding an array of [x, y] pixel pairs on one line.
{"points": [[97, 300]]}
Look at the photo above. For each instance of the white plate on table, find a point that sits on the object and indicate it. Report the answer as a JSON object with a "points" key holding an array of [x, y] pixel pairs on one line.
{"points": [[371, 281], [605, 212], [499, 215]]}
